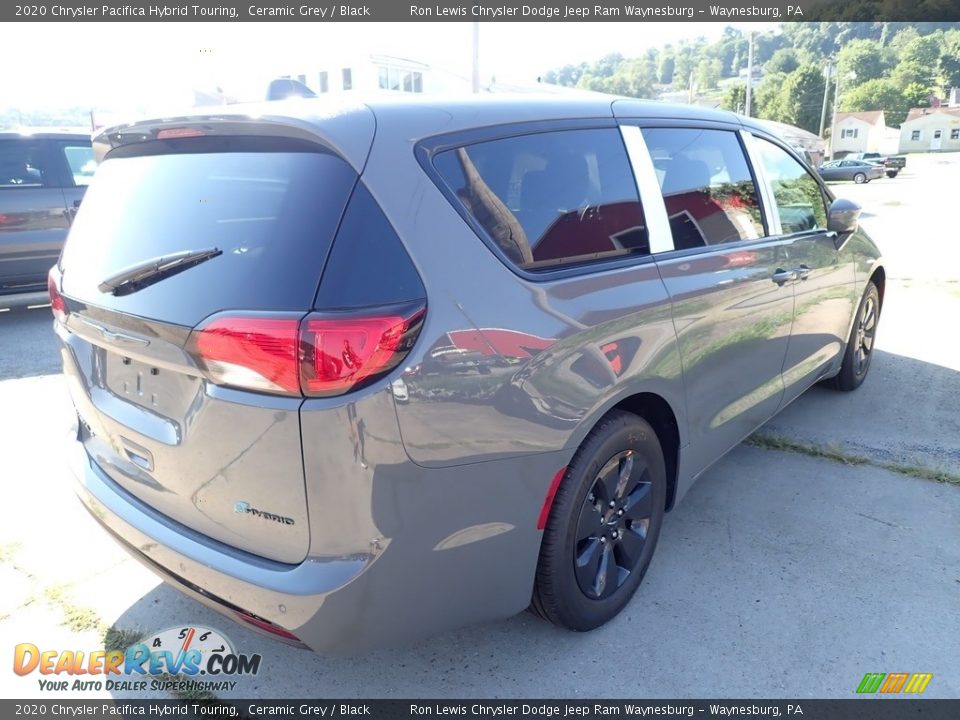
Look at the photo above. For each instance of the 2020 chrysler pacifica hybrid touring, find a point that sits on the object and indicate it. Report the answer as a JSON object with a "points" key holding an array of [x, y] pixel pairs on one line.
{"points": [[350, 375]]}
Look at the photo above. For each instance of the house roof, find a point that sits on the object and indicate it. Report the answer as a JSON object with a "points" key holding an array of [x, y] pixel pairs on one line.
{"points": [[916, 113], [869, 116]]}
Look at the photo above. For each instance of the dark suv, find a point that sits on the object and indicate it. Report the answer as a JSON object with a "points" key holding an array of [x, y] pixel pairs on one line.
{"points": [[43, 176], [350, 375]]}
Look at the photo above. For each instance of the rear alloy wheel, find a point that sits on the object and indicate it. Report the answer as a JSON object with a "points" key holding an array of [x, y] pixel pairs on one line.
{"points": [[859, 178], [856, 360], [603, 526]]}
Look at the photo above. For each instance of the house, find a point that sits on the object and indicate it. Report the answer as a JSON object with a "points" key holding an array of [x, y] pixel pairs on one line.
{"points": [[862, 132], [811, 146], [931, 130], [370, 72]]}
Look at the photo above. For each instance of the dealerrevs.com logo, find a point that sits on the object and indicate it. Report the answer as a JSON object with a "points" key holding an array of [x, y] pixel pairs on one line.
{"points": [[178, 658]]}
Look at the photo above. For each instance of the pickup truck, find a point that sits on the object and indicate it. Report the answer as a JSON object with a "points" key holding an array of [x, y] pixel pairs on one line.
{"points": [[892, 164]]}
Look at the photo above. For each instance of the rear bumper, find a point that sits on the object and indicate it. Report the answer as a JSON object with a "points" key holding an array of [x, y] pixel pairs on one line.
{"points": [[229, 581], [419, 581]]}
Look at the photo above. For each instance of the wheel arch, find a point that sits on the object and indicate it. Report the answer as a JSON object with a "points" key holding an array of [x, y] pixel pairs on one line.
{"points": [[879, 278], [659, 412]]}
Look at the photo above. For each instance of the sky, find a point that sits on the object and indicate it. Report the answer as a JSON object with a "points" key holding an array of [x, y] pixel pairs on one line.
{"points": [[151, 65]]}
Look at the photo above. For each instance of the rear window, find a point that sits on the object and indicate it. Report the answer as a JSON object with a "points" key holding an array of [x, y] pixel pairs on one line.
{"points": [[273, 215], [550, 199]]}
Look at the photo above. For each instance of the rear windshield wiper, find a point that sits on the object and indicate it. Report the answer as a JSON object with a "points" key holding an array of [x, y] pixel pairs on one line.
{"points": [[154, 270]]}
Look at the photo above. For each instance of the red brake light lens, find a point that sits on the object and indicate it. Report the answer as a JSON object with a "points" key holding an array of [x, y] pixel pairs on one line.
{"points": [[57, 303], [340, 354], [170, 133], [256, 353], [320, 356]]}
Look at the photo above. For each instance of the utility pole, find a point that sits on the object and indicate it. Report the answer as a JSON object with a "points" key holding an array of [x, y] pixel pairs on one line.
{"points": [[476, 58], [749, 75], [833, 120], [827, 72]]}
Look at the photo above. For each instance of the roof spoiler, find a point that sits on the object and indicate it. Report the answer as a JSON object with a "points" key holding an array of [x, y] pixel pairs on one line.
{"points": [[285, 87]]}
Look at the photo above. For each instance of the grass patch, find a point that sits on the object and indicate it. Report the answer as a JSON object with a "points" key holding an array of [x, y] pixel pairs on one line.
{"points": [[189, 693], [8, 551], [115, 638], [76, 617], [778, 442], [80, 619], [56, 594]]}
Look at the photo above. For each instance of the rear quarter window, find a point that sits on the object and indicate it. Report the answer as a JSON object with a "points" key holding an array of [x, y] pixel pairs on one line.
{"points": [[551, 199]]}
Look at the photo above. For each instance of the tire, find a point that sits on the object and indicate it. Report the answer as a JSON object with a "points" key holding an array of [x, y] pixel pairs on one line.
{"points": [[892, 173], [594, 555], [860, 178], [859, 352]]}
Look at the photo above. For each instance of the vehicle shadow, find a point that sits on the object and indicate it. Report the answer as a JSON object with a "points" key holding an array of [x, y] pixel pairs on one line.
{"points": [[768, 581], [28, 346]]}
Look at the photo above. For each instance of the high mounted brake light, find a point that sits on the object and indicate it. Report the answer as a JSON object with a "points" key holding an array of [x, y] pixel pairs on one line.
{"points": [[168, 133]]}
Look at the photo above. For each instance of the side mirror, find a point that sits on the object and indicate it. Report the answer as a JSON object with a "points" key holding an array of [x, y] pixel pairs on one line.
{"points": [[843, 219]]}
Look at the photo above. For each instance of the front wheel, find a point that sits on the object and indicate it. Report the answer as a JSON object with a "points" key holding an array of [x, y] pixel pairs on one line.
{"points": [[859, 353], [892, 173], [860, 178], [603, 525]]}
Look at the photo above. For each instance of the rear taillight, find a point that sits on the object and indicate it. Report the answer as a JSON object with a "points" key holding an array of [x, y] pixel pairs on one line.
{"points": [[320, 355], [57, 304], [256, 353], [343, 352]]}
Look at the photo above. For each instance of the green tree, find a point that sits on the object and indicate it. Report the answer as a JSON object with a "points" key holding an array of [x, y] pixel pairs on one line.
{"points": [[864, 58], [665, 70], [607, 65], [766, 98], [877, 94], [949, 75], [784, 60], [924, 51], [634, 78], [911, 72], [801, 97], [735, 98], [884, 94], [708, 73]]}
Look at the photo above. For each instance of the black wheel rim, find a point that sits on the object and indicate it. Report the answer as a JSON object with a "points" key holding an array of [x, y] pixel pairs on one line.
{"points": [[613, 525], [866, 329]]}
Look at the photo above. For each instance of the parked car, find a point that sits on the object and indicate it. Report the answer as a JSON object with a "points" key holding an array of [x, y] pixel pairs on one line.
{"points": [[892, 164], [43, 176], [625, 291], [860, 171]]}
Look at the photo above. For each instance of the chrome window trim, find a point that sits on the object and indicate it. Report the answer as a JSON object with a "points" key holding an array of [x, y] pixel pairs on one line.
{"points": [[651, 197], [770, 210]]}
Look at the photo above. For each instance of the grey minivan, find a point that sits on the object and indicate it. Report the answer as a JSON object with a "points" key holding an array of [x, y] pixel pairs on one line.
{"points": [[43, 176], [355, 374]]}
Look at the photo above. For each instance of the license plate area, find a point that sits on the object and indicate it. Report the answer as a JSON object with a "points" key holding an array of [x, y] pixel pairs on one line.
{"points": [[134, 381]]}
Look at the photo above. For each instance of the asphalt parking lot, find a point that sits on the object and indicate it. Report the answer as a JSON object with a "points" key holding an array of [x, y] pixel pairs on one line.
{"points": [[822, 549]]}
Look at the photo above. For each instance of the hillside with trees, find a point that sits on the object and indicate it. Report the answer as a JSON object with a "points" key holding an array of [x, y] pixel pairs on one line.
{"points": [[889, 66]]}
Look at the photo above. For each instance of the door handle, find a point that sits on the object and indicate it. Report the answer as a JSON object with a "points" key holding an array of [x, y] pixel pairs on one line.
{"points": [[803, 272], [782, 276]]}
